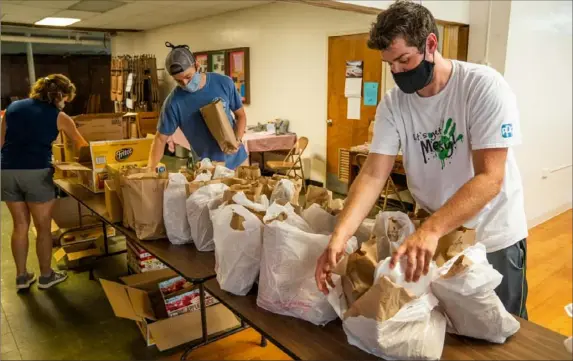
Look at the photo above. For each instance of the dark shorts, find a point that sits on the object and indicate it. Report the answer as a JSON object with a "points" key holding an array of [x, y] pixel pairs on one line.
{"points": [[28, 185], [512, 291]]}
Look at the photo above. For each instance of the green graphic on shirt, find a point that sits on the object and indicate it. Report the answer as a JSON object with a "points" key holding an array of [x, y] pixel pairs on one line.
{"points": [[441, 142]]}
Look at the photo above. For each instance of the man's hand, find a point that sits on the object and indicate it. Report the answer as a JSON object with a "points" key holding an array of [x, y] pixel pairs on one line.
{"points": [[419, 248], [326, 263]]}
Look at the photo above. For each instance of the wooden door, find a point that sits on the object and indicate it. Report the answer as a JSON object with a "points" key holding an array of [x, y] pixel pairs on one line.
{"points": [[341, 131]]}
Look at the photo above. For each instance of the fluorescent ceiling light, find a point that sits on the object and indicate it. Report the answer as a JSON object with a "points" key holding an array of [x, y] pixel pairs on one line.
{"points": [[57, 21]]}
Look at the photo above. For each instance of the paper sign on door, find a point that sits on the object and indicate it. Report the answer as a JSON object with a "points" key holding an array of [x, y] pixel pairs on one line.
{"points": [[353, 110], [370, 93]]}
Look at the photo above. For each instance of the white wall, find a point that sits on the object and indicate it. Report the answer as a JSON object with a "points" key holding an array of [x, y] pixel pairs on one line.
{"points": [[538, 69], [451, 10], [496, 40], [288, 53]]}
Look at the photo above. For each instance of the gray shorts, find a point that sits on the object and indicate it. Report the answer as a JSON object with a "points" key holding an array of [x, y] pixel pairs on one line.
{"points": [[28, 185], [512, 291]]}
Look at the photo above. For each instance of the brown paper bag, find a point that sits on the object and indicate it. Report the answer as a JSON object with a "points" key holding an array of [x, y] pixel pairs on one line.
{"points": [[459, 266], [144, 192], [128, 217], [220, 126], [251, 172], [357, 270], [453, 243], [318, 195], [381, 302]]}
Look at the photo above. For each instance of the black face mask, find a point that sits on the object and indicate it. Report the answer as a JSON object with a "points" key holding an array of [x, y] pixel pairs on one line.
{"points": [[413, 80]]}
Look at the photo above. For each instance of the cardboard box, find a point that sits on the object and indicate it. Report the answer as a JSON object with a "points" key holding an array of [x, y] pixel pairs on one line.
{"points": [[92, 160], [139, 299], [84, 244], [181, 296], [58, 157], [67, 211], [140, 260], [93, 127], [112, 203]]}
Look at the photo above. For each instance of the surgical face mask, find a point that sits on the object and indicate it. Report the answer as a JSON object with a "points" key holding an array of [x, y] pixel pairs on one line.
{"points": [[415, 79], [193, 85]]}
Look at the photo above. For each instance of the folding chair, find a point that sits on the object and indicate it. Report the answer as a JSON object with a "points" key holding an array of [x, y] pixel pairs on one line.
{"points": [[292, 162], [390, 186]]}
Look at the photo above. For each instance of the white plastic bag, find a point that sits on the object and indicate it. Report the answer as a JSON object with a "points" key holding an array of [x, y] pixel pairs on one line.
{"points": [[286, 283], [198, 205], [569, 342], [398, 276], [465, 288], [390, 230], [365, 230], [223, 172], [275, 211], [203, 177], [415, 332], [284, 191], [237, 248], [174, 210], [241, 199]]}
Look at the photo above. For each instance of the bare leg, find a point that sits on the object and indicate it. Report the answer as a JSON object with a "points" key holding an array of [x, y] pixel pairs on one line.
{"points": [[21, 219], [42, 216]]}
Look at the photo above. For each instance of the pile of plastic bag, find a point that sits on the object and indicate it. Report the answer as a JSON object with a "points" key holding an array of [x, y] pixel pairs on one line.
{"points": [[390, 318]]}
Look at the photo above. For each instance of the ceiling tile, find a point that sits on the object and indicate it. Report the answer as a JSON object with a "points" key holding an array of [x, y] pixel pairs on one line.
{"points": [[100, 6], [24, 14], [50, 4], [76, 14]]}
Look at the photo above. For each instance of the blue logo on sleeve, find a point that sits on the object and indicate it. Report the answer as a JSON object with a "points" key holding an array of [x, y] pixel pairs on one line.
{"points": [[507, 130]]}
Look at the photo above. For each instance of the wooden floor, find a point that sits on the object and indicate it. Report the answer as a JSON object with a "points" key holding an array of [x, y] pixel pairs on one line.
{"points": [[549, 273]]}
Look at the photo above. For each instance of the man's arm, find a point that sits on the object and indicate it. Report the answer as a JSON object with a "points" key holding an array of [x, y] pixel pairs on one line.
{"points": [[489, 169], [240, 122], [157, 150], [363, 193]]}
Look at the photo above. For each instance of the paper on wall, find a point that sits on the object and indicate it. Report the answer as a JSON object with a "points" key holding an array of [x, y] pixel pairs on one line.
{"points": [[370, 93], [353, 109], [129, 83], [129, 103], [353, 88]]}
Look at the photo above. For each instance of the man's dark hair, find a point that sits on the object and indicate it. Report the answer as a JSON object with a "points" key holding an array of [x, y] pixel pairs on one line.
{"points": [[405, 19]]}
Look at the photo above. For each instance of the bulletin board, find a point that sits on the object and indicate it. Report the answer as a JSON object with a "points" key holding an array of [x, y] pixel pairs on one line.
{"points": [[231, 62]]}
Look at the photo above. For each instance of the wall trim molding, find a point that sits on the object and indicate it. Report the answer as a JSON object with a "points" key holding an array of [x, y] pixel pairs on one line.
{"points": [[549, 214]]}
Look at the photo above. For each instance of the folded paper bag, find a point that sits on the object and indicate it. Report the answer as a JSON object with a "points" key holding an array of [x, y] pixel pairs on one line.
{"points": [[453, 244], [381, 301], [220, 126], [357, 271]]}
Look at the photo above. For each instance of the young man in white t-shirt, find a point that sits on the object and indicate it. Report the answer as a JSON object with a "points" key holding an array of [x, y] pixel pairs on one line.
{"points": [[455, 124]]}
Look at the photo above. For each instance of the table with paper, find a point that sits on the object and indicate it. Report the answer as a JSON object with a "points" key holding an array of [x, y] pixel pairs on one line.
{"points": [[290, 324]]}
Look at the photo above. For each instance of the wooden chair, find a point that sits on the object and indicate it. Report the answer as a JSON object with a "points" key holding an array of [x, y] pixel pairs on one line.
{"points": [[390, 186], [293, 161]]}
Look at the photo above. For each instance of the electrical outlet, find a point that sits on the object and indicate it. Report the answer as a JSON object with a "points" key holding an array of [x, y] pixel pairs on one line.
{"points": [[545, 173]]}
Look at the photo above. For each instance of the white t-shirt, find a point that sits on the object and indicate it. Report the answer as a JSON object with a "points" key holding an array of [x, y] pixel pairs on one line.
{"points": [[476, 110]]}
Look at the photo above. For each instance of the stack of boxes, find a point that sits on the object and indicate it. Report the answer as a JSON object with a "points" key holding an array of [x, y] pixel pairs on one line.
{"points": [[139, 260]]}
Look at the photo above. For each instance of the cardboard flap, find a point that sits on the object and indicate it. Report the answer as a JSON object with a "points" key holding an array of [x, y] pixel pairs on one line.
{"points": [[141, 303], [71, 166], [119, 300], [148, 277], [74, 256], [175, 331], [59, 254]]}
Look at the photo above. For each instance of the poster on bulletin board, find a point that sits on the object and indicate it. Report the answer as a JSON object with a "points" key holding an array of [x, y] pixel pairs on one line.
{"points": [[217, 63], [203, 60], [238, 71]]}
